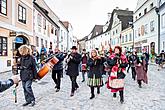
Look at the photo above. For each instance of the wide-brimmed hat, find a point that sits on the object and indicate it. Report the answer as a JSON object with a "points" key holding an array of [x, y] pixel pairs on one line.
{"points": [[74, 47]]}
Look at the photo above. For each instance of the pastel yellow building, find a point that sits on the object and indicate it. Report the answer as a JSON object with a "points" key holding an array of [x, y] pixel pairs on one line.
{"points": [[16, 29]]}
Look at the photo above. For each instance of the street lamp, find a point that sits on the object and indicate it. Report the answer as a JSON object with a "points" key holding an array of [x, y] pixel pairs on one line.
{"points": [[157, 11]]}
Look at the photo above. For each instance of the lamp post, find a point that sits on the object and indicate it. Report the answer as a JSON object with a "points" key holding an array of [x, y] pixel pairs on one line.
{"points": [[157, 11]]}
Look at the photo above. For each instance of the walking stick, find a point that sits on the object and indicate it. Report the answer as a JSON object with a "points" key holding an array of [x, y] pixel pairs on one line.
{"points": [[15, 93]]}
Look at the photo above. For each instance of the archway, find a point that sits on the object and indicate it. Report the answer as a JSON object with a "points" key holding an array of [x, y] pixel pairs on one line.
{"points": [[20, 40]]}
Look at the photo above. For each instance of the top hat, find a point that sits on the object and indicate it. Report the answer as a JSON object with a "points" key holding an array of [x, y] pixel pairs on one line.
{"points": [[74, 47]]}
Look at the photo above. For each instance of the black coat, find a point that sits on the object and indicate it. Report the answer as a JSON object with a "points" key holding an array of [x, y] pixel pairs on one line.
{"points": [[73, 64], [59, 66], [28, 68], [95, 68]]}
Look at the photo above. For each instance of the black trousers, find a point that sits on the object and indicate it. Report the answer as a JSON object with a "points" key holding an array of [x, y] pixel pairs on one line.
{"points": [[56, 76], [74, 83], [28, 92], [133, 73], [129, 65]]}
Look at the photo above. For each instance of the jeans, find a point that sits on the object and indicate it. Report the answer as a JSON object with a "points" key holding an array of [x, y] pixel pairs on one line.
{"points": [[74, 83], [56, 76], [28, 92]]}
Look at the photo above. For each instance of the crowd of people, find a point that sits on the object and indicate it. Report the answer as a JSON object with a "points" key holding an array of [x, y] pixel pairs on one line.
{"points": [[113, 64]]}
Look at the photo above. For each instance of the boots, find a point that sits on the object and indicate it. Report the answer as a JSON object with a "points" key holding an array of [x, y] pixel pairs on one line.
{"points": [[98, 90], [92, 93], [121, 93], [140, 84], [114, 95], [92, 96]]}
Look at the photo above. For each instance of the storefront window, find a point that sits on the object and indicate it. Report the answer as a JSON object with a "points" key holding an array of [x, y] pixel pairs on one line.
{"points": [[3, 46]]}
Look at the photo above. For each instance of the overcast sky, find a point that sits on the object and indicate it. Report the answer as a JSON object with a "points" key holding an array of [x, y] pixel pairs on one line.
{"points": [[84, 14]]}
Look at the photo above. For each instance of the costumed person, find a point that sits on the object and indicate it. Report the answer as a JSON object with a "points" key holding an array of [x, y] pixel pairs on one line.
{"points": [[129, 63], [4, 85], [57, 71], [95, 73], [118, 61], [84, 64], [161, 60], [28, 72], [73, 61], [141, 70], [132, 60]]}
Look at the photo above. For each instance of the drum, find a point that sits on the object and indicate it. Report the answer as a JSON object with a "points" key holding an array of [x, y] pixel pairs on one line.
{"points": [[84, 67], [43, 71], [53, 61]]}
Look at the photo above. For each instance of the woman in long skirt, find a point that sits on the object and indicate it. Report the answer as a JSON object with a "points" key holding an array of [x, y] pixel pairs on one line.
{"points": [[95, 73]]}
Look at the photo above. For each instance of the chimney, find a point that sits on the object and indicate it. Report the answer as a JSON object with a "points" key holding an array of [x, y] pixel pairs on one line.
{"points": [[109, 16], [117, 8], [127, 9]]}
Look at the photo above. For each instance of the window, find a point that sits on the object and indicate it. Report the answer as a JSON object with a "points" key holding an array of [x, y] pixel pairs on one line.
{"points": [[122, 39], [3, 46], [138, 31], [21, 14], [113, 32], [116, 31], [130, 37], [37, 41], [3, 7], [163, 20], [145, 10], [126, 38], [55, 32], [140, 14], [44, 23], [46, 43], [136, 18], [163, 45], [42, 42], [152, 26], [52, 29], [146, 29], [39, 17], [151, 5]]}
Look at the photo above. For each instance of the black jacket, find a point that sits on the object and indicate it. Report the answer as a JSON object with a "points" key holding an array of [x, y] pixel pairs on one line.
{"points": [[28, 68], [6, 84], [95, 68], [59, 66], [73, 64]]}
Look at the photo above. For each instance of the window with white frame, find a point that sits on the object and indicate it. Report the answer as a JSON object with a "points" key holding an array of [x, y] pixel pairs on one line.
{"points": [[44, 23], [130, 36], [163, 20], [3, 46], [122, 39], [37, 41], [152, 26], [39, 17], [164, 45], [21, 14], [146, 29], [46, 43], [3, 7], [126, 38]]}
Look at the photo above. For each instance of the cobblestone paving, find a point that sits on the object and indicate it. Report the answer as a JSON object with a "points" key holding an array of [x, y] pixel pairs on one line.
{"points": [[149, 97]]}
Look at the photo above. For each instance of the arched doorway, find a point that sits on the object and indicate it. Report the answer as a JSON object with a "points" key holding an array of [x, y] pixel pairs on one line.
{"points": [[20, 40]]}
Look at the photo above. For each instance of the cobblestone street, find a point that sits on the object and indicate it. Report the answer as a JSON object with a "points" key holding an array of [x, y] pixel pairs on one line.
{"points": [[149, 97]]}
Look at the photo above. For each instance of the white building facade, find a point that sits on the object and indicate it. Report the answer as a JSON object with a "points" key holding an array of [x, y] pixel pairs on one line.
{"points": [[145, 26], [162, 24], [45, 30]]}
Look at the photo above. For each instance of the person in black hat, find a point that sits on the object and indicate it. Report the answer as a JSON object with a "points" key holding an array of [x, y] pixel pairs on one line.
{"points": [[73, 61]]}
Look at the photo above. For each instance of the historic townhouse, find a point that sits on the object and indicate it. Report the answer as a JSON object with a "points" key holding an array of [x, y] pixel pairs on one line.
{"points": [[63, 37], [162, 24], [119, 21], [146, 26], [46, 30], [16, 28]]}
